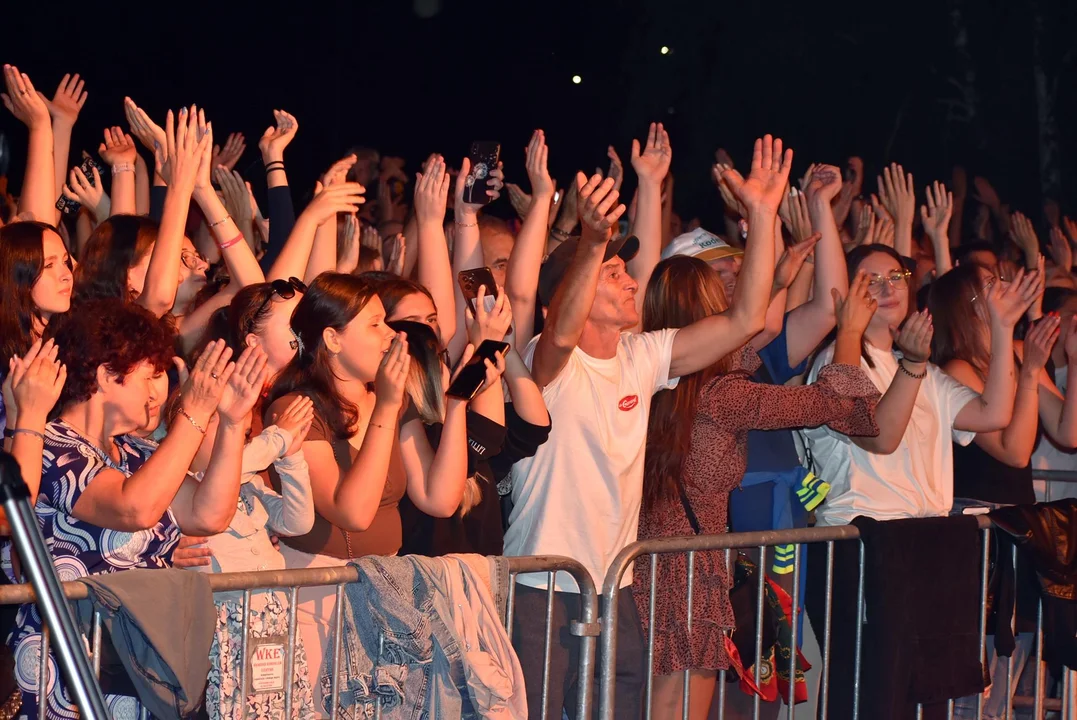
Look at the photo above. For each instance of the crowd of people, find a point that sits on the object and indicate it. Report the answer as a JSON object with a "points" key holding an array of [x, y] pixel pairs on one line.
{"points": [[190, 382]]}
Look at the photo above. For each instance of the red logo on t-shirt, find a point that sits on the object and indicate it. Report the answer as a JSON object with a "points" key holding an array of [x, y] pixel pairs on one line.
{"points": [[628, 402]]}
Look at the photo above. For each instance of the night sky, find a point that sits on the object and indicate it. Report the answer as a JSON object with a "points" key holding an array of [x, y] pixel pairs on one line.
{"points": [[869, 79]]}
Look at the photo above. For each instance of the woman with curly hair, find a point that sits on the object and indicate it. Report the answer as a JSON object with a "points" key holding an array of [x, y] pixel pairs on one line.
{"points": [[107, 502]]}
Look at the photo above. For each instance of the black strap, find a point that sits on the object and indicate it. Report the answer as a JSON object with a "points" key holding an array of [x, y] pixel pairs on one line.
{"points": [[692, 519]]}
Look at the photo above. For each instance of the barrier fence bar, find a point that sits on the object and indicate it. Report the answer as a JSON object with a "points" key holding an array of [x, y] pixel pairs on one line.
{"points": [[761, 540], [586, 628]]}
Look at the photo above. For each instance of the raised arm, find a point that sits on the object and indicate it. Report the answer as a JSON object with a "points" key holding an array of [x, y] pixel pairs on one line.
{"points": [[935, 216], [1006, 303], [571, 304], [177, 161], [292, 259], [119, 153], [64, 109], [707, 341], [281, 210], [651, 166], [899, 197], [525, 261], [323, 252], [38, 195], [434, 267], [809, 323]]}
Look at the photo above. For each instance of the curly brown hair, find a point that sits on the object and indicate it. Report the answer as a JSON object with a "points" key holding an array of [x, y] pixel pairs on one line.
{"points": [[109, 332]]}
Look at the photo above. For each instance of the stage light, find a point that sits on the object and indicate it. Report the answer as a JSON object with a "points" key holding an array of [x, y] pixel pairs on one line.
{"points": [[576, 79], [665, 50]]}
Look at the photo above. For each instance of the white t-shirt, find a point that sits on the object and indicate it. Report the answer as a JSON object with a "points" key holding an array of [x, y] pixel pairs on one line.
{"points": [[580, 494], [1049, 456], [917, 479]]}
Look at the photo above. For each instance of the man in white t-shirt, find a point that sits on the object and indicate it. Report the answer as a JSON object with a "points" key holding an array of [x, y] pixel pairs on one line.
{"points": [[580, 495]]}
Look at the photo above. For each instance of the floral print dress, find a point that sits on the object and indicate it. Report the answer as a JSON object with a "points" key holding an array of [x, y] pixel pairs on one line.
{"points": [[79, 549]]}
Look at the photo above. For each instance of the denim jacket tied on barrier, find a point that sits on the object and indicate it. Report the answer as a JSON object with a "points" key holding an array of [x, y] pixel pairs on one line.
{"points": [[401, 646]]}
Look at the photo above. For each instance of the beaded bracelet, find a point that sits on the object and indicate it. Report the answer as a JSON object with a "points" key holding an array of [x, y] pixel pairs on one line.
{"points": [[914, 376]]}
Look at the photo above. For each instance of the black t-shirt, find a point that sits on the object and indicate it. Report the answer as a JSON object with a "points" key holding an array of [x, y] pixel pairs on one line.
{"points": [[492, 450]]}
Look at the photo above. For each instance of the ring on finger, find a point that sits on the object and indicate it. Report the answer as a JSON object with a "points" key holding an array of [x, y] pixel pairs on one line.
{"points": [[214, 376]]}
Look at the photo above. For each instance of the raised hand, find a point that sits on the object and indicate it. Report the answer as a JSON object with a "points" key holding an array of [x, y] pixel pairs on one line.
{"points": [[1061, 251], [599, 209], [617, 168], [1039, 341], [856, 168], [233, 150], [495, 180], [537, 155], [338, 171], [91, 195], [33, 384], [180, 162], [118, 148], [392, 374], [276, 138], [725, 188], [492, 325], [519, 200], [792, 260], [1008, 301], [296, 420], [898, 195], [855, 311], [824, 183], [494, 370], [244, 386], [432, 190], [369, 237], [651, 163], [762, 191], [393, 254], [986, 195], [211, 372], [1024, 235], [149, 133], [914, 338], [1071, 229], [328, 201], [23, 100], [865, 227], [234, 195], [794, 215], [68, 100], [935, 215]]}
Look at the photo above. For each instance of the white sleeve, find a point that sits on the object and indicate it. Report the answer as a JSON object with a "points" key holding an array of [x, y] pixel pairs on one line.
{"points": [[820, 437], [952, 397], [553, 388], [651, 354], [260, 452], [292, 512]]}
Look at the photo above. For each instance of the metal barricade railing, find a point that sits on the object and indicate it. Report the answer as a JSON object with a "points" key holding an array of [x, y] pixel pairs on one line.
{"points": [[586, 628], [760, 541], [1051, 478]]}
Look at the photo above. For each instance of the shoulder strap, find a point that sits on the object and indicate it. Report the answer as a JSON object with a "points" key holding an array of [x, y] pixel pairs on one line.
{"points": [[692, 519]]}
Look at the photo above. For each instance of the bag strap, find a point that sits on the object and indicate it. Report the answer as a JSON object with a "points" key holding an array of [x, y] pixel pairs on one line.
{"points": [[692, 519]]}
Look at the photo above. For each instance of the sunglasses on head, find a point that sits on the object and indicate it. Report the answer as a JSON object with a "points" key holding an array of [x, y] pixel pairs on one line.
{"points": [[284, 289]]}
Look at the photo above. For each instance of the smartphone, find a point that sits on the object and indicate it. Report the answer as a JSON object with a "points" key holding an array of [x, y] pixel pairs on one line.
{"points": [[470, 280], [471, 378], [69, 207], [484, 156]]}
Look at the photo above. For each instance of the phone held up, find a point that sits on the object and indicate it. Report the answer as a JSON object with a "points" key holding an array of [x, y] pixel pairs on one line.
{"points": [[472, 376], [69, 207], [470, 280], [484, 156]]}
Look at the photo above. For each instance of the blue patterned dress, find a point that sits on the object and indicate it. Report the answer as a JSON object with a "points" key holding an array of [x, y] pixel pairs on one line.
{"points": [[69, 463]]}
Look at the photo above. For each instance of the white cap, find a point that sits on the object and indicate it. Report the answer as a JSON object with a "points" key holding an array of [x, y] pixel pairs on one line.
{"points": [[701, 244]]}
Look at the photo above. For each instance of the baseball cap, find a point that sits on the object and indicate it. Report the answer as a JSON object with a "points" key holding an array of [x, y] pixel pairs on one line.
{"points": [[556, 265], [701, 244]]}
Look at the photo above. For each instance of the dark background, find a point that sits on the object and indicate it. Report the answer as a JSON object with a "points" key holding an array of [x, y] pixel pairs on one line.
{"points": [[887, 81]]}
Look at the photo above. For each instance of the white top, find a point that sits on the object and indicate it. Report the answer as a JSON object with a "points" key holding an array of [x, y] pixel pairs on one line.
{"points": [[917, 479], [1049, 456], [580, 494]]}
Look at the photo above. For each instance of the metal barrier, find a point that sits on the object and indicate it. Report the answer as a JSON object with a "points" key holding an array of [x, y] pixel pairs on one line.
{"points": [[761, 541], [291, 580]]}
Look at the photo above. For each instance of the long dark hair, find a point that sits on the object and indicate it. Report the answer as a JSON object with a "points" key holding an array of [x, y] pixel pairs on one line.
{"points": [[116, 245], [22, 259], [957, 324], [247, 313], [332, 301], [424, 383], [682, 291], [394, 289], [853, 259]]}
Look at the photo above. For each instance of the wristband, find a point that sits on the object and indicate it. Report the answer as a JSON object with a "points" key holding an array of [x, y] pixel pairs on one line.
{"points": [[122, 168], [225, 219], [194, 423], [9, 433], [275, 165], [914, 376], [229, 243]]}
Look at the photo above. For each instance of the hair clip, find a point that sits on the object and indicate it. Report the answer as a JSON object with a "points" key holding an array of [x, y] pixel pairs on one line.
{"points": [[296, 344]]}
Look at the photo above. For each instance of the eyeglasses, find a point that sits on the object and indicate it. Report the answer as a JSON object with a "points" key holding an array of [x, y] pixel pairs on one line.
{"points": [[895, 279], [285, 290], [191, 260], [987, 287]]}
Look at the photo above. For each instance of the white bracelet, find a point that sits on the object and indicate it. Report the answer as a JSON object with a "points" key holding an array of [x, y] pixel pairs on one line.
{"points": [[122, 168]]}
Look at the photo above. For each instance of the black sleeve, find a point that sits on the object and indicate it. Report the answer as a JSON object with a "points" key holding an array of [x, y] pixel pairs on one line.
{"points": [[157, 201], [281, 222], [522, 440]]}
